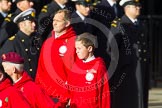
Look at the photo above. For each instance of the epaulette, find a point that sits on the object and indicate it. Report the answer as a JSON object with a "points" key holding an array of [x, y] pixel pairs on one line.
{"points": [[115, 22], [11, 38], [44, 9], [8, 18]]}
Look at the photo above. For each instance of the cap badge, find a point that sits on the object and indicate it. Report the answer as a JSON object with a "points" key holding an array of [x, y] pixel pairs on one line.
{"points": [[87, 1], [33, 14], [3, 56]]}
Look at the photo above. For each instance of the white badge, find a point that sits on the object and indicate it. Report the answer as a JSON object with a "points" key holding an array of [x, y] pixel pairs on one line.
{"points": [[63, 49], [89, 76], [0, 103]]}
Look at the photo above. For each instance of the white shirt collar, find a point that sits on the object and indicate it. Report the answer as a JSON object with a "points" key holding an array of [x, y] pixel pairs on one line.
{"points": [[18, 80], [57, 36], [3, 14], [133, 20], [89, 59], [111, 2], [81, 16], [62, 6]]}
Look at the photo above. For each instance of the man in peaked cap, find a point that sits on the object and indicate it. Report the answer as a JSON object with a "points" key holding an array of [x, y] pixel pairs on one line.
{"points": [[80, 16], [131, 69], [24, 43], [13, 65], [8, 27]]}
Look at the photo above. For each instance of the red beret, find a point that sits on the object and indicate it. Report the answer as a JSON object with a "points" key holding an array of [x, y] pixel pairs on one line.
{"points": [[12, 57]]}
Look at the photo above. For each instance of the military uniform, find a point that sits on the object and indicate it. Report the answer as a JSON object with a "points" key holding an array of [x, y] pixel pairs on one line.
{"points": [[105, 13], [129, 77], [23, 45], [124, 82], [82, 25], [26, 45], [8, 27], [1, 19], [131, 40]]}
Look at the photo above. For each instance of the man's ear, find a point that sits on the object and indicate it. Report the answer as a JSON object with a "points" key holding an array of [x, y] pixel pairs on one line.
{"points": [[67, 23], [90, 48], [13, 69]]}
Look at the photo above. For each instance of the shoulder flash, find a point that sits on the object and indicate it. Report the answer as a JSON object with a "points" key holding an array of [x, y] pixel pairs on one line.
{"points": [[115, 22], [9, 15], [44, 9], [8, 18], [11, 38]]}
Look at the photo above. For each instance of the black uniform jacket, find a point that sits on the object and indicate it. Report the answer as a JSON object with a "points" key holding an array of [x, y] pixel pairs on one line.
{"points": [[23, 45], [80, 26], [123, 82], [8, 27]]}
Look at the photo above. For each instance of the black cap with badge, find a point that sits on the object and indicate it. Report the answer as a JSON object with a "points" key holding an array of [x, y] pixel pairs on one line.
{"points": [[29, 14]]}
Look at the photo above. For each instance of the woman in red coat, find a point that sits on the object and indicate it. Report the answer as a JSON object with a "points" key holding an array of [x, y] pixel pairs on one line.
{"points": [[88, 80], [9, 96]]}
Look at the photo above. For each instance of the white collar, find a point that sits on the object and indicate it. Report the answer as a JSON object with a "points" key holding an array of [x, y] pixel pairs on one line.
{"points": [[133, 20], [57, 36], [111, 2], [18, 80], [3, 14], [81, 16], [89, 59], [62, 6]]}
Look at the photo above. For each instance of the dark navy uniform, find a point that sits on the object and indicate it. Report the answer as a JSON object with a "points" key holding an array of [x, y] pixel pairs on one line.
{"points": [[23, 45], [27, 45], [143, 60], [128, 88], [8, 27], [105, 14], [80, 26], [1, 19], [123, 83]]}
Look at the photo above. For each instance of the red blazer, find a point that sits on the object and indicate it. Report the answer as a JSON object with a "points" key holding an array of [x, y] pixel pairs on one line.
{"points": [[32, 92], [10, 97], [88, 84]]}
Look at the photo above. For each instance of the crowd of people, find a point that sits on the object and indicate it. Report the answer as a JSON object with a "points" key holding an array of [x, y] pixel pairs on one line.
{"points": [[72, 54]]}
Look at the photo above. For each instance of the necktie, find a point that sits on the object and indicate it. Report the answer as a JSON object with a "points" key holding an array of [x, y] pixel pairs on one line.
{"points": [[115, 9], [135, 23]]}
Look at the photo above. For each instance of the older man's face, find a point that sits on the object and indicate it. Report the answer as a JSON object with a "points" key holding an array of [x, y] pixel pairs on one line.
{"points": [[59, 23], [8, 68]]}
